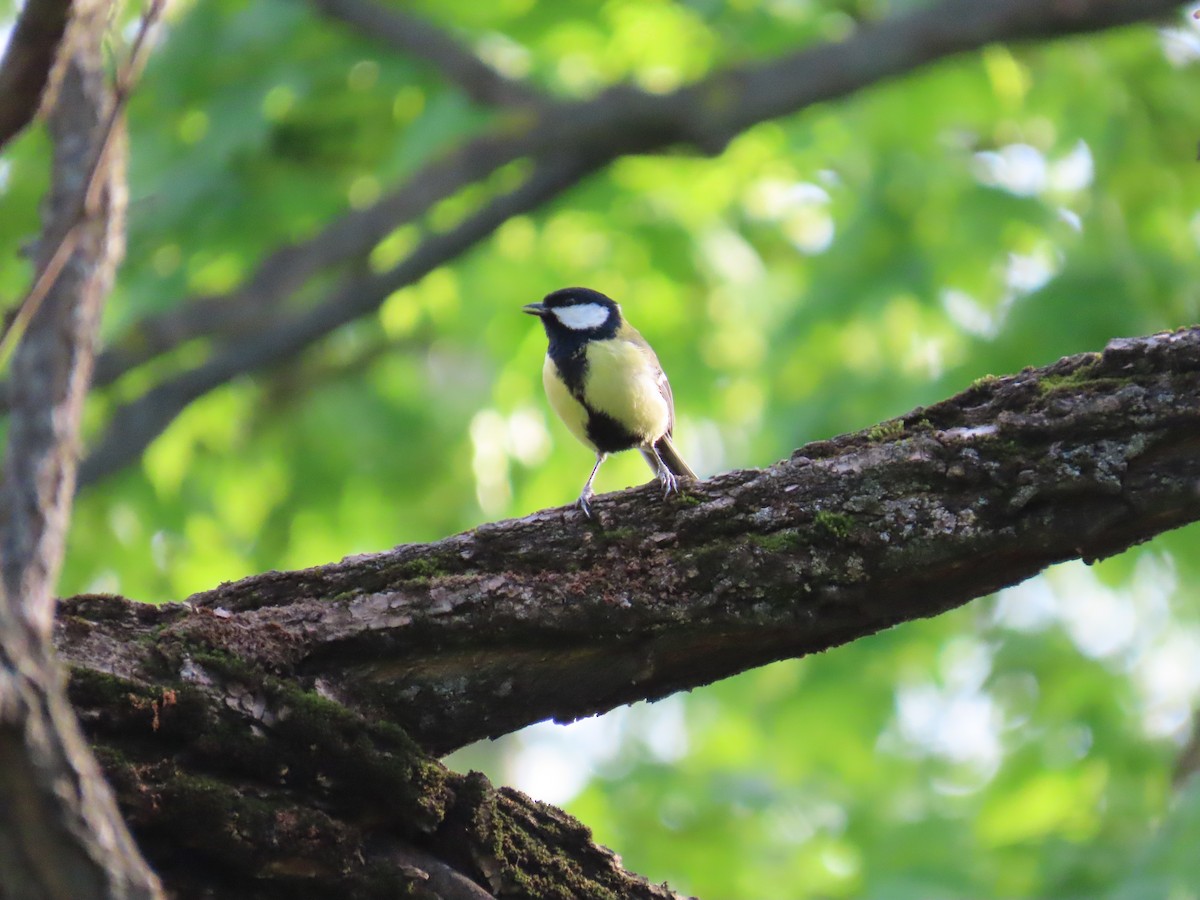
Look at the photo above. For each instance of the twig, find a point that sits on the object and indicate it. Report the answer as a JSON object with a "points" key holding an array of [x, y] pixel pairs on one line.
{"points": [[416, 37], [134, 425], [287, 269], [89, 197], [1188, 762]]}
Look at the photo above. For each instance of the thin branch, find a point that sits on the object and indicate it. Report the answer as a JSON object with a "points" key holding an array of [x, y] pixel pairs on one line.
{"points": [[414, 36], [734, 100], [619, 122], [25, 68], [87, 199], [558, 616], [134, 425], [255, 304]]}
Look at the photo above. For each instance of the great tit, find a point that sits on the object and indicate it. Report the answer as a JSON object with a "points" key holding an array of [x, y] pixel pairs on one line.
{"points": [[606, 384]]}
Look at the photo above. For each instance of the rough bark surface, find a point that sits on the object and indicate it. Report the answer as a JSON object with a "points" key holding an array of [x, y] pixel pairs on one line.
{"points": [[273, 733]]}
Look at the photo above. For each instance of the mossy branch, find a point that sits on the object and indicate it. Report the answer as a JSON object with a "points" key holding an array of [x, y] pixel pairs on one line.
{"points": [[555, 616], [275, 735], [279, 730]]}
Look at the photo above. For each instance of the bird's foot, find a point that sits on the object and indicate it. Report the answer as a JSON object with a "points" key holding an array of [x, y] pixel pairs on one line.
{"points": [[669, 480], [583, 503]]}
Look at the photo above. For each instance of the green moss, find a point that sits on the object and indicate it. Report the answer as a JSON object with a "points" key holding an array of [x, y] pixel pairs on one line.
{"points": [[1080, 375], [224, 664], [100, 607], [682, 498], [285, 848], [778, 541], [220, 811], [886, 431], [89, 687], [620, 533], [317, 741], [983, 381], [538, 857], [1052, 383], [836, 524], [316, 749], [376, 761], [423, 568]]}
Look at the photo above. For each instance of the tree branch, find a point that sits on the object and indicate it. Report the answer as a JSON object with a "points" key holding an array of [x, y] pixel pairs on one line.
{"points": [[25, 68], [582, 137], [135, 424], [1188, 763], [238, 783], [52, 364], [60, 243], [552, 616], [735, 100], [414, 36], [257, 303], [252, 734]]}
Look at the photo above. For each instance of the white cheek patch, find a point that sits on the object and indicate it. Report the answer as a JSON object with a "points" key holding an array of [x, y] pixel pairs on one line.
{"points": [[583, 316]]}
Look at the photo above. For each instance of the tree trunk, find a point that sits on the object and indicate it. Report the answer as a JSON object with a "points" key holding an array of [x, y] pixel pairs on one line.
{"points": [[61, 834]]}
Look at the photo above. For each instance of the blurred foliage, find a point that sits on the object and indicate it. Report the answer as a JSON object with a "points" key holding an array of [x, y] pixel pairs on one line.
{"points": [[827, 271]]}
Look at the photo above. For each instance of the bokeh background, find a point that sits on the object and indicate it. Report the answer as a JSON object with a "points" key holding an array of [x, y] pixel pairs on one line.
{"points": [[827, 271]]}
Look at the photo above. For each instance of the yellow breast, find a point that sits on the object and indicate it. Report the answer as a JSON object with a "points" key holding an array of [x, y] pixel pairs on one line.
{"points": [[622, 381]]}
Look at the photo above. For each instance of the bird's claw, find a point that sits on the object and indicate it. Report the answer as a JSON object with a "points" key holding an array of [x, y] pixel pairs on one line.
{"points": [[583, 504], [670, 482]]}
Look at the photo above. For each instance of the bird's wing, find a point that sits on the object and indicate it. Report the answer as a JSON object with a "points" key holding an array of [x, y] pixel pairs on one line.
{"points": [[631, 334], [664, 388]]}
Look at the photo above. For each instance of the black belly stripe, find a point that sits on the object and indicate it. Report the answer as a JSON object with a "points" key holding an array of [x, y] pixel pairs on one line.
{"points": [[572, 367], [609, 435]]}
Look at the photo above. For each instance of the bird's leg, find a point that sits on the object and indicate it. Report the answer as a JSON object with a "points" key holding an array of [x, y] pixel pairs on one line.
{"points": [[668, 478], [588, 493]]}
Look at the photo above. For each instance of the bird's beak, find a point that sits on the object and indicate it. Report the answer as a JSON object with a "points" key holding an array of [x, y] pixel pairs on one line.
{"points": [[534, 309]]}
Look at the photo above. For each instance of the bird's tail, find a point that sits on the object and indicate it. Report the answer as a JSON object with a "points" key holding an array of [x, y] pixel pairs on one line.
{"points": [[671, 459]]}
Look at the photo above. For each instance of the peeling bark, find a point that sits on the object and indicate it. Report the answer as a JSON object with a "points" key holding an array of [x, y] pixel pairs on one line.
{"points": [[305, 706]]}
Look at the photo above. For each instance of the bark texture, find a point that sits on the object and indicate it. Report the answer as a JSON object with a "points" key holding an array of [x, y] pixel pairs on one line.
{"points": [[277, 731]]}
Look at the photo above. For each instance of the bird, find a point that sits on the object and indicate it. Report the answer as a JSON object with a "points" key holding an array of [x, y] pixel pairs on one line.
{"points": [[604, 381]]}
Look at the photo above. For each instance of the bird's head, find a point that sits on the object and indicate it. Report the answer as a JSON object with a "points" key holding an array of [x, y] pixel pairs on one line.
{"points": [[578, 312]]}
